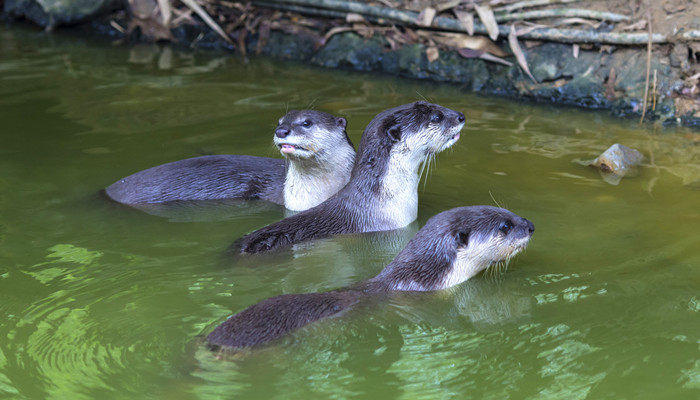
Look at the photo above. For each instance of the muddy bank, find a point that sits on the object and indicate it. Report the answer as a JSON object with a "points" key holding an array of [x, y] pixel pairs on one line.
{"points": [[608, 77]]}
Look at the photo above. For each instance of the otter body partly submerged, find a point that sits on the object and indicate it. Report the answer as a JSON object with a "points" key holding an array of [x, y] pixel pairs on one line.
{"points": [[382, 193], [452, 247], [319, 156]]}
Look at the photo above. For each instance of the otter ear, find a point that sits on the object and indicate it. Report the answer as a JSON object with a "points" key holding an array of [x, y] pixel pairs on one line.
{"points": [[394, 132], [341, 122], [462, 238]]}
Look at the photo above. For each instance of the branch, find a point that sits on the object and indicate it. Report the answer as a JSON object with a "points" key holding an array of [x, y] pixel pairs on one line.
{"points": [[529, 4], [386, 15], [562, 12]]}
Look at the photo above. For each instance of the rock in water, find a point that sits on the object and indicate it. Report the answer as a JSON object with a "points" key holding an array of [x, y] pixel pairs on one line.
{"points": [[616, 162], [51, 13]]}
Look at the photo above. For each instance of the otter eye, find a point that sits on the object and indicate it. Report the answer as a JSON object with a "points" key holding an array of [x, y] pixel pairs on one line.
{"points": [[436, 118], [463, 237], [307, 123], [505, 227]]}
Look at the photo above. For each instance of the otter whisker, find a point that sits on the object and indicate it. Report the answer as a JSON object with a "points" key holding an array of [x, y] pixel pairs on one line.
{"points": [[494, 200]]}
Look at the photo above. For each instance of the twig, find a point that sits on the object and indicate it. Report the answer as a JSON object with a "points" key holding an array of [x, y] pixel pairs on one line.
{"points": [[653, 93], [304, 10], [166, 12], [562, 12], [408, 18], [529, 4], [646, 84], [207, 19]]}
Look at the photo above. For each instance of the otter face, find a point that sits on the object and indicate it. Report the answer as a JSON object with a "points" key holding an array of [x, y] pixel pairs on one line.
{"points": [[307, 134], [455, 245], [489, 236], [423, 129]]}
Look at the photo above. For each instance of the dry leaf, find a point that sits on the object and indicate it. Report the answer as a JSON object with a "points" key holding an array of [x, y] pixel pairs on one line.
{"points": [[448, 5], [207, 19], [466, 19], [353, 17], [471, 53], [432, 53], [491, 57], [637, 26], [337, 29], [165, 11], [461, 40], [519, 55], [425, 18], [489, 21], [363, 30]]}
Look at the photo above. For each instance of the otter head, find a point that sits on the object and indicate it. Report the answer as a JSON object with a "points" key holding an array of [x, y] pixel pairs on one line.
{"points": [[310, 134], [408, 134], [320, 153], [455, 245], [393, 146]]}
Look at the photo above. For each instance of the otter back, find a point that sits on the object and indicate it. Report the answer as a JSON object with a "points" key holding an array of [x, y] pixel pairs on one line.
{"points": [[204, 178]]}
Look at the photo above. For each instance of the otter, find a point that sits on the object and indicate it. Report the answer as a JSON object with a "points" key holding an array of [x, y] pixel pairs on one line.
{"points": [[452, 247], [319, 158], [383, 190]]}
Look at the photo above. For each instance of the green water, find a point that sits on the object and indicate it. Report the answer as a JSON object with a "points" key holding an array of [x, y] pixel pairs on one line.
{"points": [[103, 301]]}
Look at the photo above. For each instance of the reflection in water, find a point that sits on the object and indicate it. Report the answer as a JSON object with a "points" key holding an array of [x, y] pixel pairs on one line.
{"points": [[104, 301]]}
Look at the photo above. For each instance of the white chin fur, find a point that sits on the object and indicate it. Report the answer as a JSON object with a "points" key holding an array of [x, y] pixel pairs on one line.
{"points": [[298, 153]]}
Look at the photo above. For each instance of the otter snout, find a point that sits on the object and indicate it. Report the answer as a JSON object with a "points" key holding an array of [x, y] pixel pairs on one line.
{"points": [[282, 132], [530, 226], [460, 117]]}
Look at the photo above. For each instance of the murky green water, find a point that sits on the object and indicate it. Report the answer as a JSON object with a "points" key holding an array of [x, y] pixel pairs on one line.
{"points": [[104, 301]]}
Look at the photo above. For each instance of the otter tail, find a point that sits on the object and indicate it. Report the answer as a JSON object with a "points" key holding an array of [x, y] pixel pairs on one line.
{"points": [[276, 316]]}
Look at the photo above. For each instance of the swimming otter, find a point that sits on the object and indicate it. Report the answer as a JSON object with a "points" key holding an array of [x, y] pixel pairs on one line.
{"points": [[452, 247], [319, 157], [383, 190]]}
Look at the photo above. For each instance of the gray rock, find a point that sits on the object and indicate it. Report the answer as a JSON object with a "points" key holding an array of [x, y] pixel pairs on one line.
{"points": [[616, 162], [52, 13]]}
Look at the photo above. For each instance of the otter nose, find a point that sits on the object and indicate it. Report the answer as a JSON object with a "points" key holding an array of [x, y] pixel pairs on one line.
{"points": [[282, 133], [530, 226], [460, 117]]}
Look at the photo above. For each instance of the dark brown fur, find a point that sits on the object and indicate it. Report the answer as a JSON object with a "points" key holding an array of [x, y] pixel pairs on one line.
{"points": [[351, 210], [218, 176], [424, 264]]}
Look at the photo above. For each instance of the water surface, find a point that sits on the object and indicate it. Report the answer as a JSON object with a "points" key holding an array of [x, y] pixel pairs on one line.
{"points": [[105, 301]]}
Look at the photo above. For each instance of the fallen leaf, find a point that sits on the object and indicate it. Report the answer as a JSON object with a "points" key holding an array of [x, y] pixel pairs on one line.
{"points": [[425, 18], [354, 17], [519, 55], [336, 30], [448, 5], [471, 53], [432, 53], [363, 30], [165, 11], [637, 26], [461, 40], [466, 19], [207, 19], [487, 18]]}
